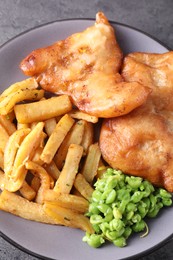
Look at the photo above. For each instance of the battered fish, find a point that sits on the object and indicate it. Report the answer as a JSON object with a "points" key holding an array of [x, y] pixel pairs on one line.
{"points": [[86, 67], [141, 143]]}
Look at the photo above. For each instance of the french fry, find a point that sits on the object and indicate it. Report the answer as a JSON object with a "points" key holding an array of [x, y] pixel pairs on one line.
{"points": [[56, 138], [101, 169], [29, 83], [10, 101], [36, 156], [83, 186], [68, 217], [1, 160], [4, 138], [90, 167], [22, 126], [52, 170], [24, 153], [17, 205], [50, 125], [88, 137], [44, 179], [74, 136], [68, 201], [7, 124], [2, 180], [12, 147], [43, 110], [35, 183], [11, 116], [77, 114], [70, 169], [27, 191]]}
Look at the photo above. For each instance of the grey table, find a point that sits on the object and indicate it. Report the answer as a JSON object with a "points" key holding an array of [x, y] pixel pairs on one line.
{"points": [[152, 16]]}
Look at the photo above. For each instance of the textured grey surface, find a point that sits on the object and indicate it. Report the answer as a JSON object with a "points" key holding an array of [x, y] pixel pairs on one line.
{"points": [[152, 16]]}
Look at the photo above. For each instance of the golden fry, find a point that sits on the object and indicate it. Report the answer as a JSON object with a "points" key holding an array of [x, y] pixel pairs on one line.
{"points": [[7, 124], [70, 169], [12, 147], [4, 138], [29, 83], [35, 183], [56, 138], [24, 153], [21, 207], [69, 201], [1, 160], [77, 114], [50, 125], [89, 170], [83, 186], [74, 136], [27, 191], [43, 110], [88, 137], [10, 101], [52, 170], [67, 217], [44, 179]]}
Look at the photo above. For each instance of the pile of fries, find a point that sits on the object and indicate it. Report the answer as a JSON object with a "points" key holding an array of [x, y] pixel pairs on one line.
{"points": [[48, 157]]}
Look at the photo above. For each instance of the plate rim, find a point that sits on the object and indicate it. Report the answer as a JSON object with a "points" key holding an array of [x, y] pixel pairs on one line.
{"points": [[113, 22]]}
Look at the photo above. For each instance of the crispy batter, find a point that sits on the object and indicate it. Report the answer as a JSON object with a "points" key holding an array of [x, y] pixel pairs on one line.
{"points": [[141, 142], [85, 66]]}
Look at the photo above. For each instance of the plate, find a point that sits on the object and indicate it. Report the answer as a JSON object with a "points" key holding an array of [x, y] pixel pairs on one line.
{"points": [[57, 242]]}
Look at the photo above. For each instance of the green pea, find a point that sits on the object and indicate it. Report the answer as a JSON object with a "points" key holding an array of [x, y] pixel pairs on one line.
{"points": [[93, 208], [96, 228], [103, 208], [147, 202], [167, 202], [142, 210], [129, 215], [165, 194], [153, 213], [131, 207], [152, 200], [94, 240], [123, 194], [116, 224], [137, 196], [104, 227], [108, 215], [111, 197], [134, 182], [117, 213], [139, 226], [96, 195], [100, 185], [127, 232], [120, 242], [136, 218], [105, 194], [112, 235], [96, 219], [111, 183]]}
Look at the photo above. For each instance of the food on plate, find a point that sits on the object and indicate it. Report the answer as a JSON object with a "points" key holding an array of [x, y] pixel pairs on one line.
{"points": [[52, 168], [119, 205], [86, 67], [141, 142]]}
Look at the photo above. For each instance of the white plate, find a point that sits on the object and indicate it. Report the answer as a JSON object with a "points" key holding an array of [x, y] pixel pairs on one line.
{"points": [[58, 242]]}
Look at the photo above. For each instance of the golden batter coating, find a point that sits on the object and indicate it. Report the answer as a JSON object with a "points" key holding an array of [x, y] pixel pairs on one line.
{"points": [[141, 143], [86, 67]]}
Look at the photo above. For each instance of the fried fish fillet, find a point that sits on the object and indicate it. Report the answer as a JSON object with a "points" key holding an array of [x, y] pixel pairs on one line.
{"points": [[86, 67], [141, 143]]}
